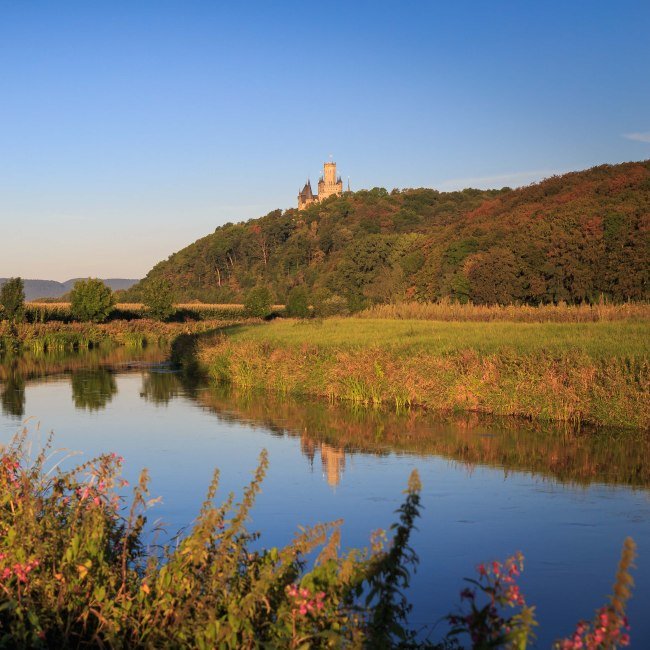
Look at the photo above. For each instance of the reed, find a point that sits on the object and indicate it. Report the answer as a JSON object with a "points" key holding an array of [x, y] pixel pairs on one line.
{"points": [[596, 373], [446, 310], [59, 336]]}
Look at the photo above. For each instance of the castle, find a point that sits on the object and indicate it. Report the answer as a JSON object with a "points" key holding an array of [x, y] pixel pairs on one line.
{"points": [[328, 185]]}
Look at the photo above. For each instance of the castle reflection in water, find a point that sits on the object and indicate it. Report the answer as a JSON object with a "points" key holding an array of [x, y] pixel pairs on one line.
{"points": [[332, 458]]}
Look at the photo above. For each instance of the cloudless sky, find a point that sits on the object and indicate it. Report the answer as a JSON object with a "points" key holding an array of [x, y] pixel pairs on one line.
{"points": [[130, 129]]}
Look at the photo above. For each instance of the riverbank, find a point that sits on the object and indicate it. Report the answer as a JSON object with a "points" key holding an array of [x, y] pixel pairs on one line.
{"points": [[593, 372], [62, 336]]}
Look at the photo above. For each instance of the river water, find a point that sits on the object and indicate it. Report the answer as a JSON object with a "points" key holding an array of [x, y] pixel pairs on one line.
{"points": [[490, 487]]}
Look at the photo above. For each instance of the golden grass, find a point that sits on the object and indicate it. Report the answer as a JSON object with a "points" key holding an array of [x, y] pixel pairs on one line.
{"points": [[595, 373], [560, 313], [621, 339]]}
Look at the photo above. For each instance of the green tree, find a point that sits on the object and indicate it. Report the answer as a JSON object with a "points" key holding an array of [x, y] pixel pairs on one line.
{"points": [[91, 300], [258, 302], [298, 302], [158, 297], [12, 299]]}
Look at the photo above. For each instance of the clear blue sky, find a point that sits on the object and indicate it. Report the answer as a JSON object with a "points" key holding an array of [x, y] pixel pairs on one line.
{"points": [[130, 129]]}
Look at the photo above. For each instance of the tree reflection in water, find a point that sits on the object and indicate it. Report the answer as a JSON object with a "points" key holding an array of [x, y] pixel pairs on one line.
{"points": [[13, 393], [92, 389], [333, 431], [580, 457], [160, 386]]}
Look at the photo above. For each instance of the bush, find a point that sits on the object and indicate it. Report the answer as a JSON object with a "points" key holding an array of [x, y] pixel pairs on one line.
{"points": [[326, 304], [258, 302], [158, 297], [12, 300], [297, 303], [91, 300]]}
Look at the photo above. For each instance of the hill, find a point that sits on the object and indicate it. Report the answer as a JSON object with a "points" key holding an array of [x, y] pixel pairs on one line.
{"points": [[35, 289], [569, 238]]}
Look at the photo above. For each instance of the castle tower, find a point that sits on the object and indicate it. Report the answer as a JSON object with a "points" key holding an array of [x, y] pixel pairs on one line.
{"points": [[329, 184]]}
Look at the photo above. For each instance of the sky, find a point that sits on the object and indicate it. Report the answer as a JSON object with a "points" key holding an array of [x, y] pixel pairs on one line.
{"points": [[130, 129]]}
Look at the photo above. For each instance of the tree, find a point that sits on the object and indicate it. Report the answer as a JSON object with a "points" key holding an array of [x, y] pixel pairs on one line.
{"points": [[298, 303], [91, 300], [258, 302], [158, 297], [12, 299]]}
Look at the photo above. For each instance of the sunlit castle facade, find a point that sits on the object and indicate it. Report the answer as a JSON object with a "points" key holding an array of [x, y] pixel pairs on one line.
{"points": [[329, 185]]}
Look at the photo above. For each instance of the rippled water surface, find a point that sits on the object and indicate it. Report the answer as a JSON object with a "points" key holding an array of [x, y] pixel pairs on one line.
{"points": [[489, 487]]}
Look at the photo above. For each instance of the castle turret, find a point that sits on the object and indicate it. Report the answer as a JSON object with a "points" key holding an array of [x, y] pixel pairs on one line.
{"points": [[306, 196], [329, 184]]}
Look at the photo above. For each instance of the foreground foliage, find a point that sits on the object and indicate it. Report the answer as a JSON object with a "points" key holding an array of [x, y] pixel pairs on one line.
{"points": [[75, 573]]}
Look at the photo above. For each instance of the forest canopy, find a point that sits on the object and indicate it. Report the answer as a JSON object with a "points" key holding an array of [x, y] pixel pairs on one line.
{"points": [[572, 238]]}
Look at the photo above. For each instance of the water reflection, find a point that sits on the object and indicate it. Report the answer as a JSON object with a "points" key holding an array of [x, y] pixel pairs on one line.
{"points": [[335, 430], [13, 392], [40, 364], [92, 389], [332, 458], [330, 433], [160, 386]]}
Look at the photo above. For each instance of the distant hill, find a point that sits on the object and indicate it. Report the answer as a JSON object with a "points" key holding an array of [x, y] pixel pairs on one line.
{"points": [[573, 237], [35, 289]]}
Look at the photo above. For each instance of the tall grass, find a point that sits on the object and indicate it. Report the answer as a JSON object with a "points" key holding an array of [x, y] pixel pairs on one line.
{"points": [[60, 336], [622, 340], [596, 373], [446, 310]]}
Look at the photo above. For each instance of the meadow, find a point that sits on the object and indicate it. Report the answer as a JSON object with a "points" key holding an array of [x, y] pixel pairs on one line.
{"points": [[591, 372], [412, 337]]}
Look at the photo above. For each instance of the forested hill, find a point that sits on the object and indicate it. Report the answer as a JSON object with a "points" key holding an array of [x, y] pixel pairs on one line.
{"points": [[572, 237]]}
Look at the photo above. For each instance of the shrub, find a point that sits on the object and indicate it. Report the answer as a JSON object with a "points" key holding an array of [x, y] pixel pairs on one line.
{"points": [[158, 297], [91, 300], [327, 304], [12, 300], [298, 303], [81, 576], [258, 302]]}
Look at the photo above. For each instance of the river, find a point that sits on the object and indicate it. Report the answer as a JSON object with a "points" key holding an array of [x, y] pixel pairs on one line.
{"points": [[490, 487]]}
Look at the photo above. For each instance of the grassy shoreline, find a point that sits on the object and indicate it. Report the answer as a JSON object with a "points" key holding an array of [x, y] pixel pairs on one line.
{"points": [[595, 373], [62, 336]]}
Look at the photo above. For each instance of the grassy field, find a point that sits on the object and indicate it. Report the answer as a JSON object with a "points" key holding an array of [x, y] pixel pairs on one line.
{"points": [[596, 372], [408, 337]]}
